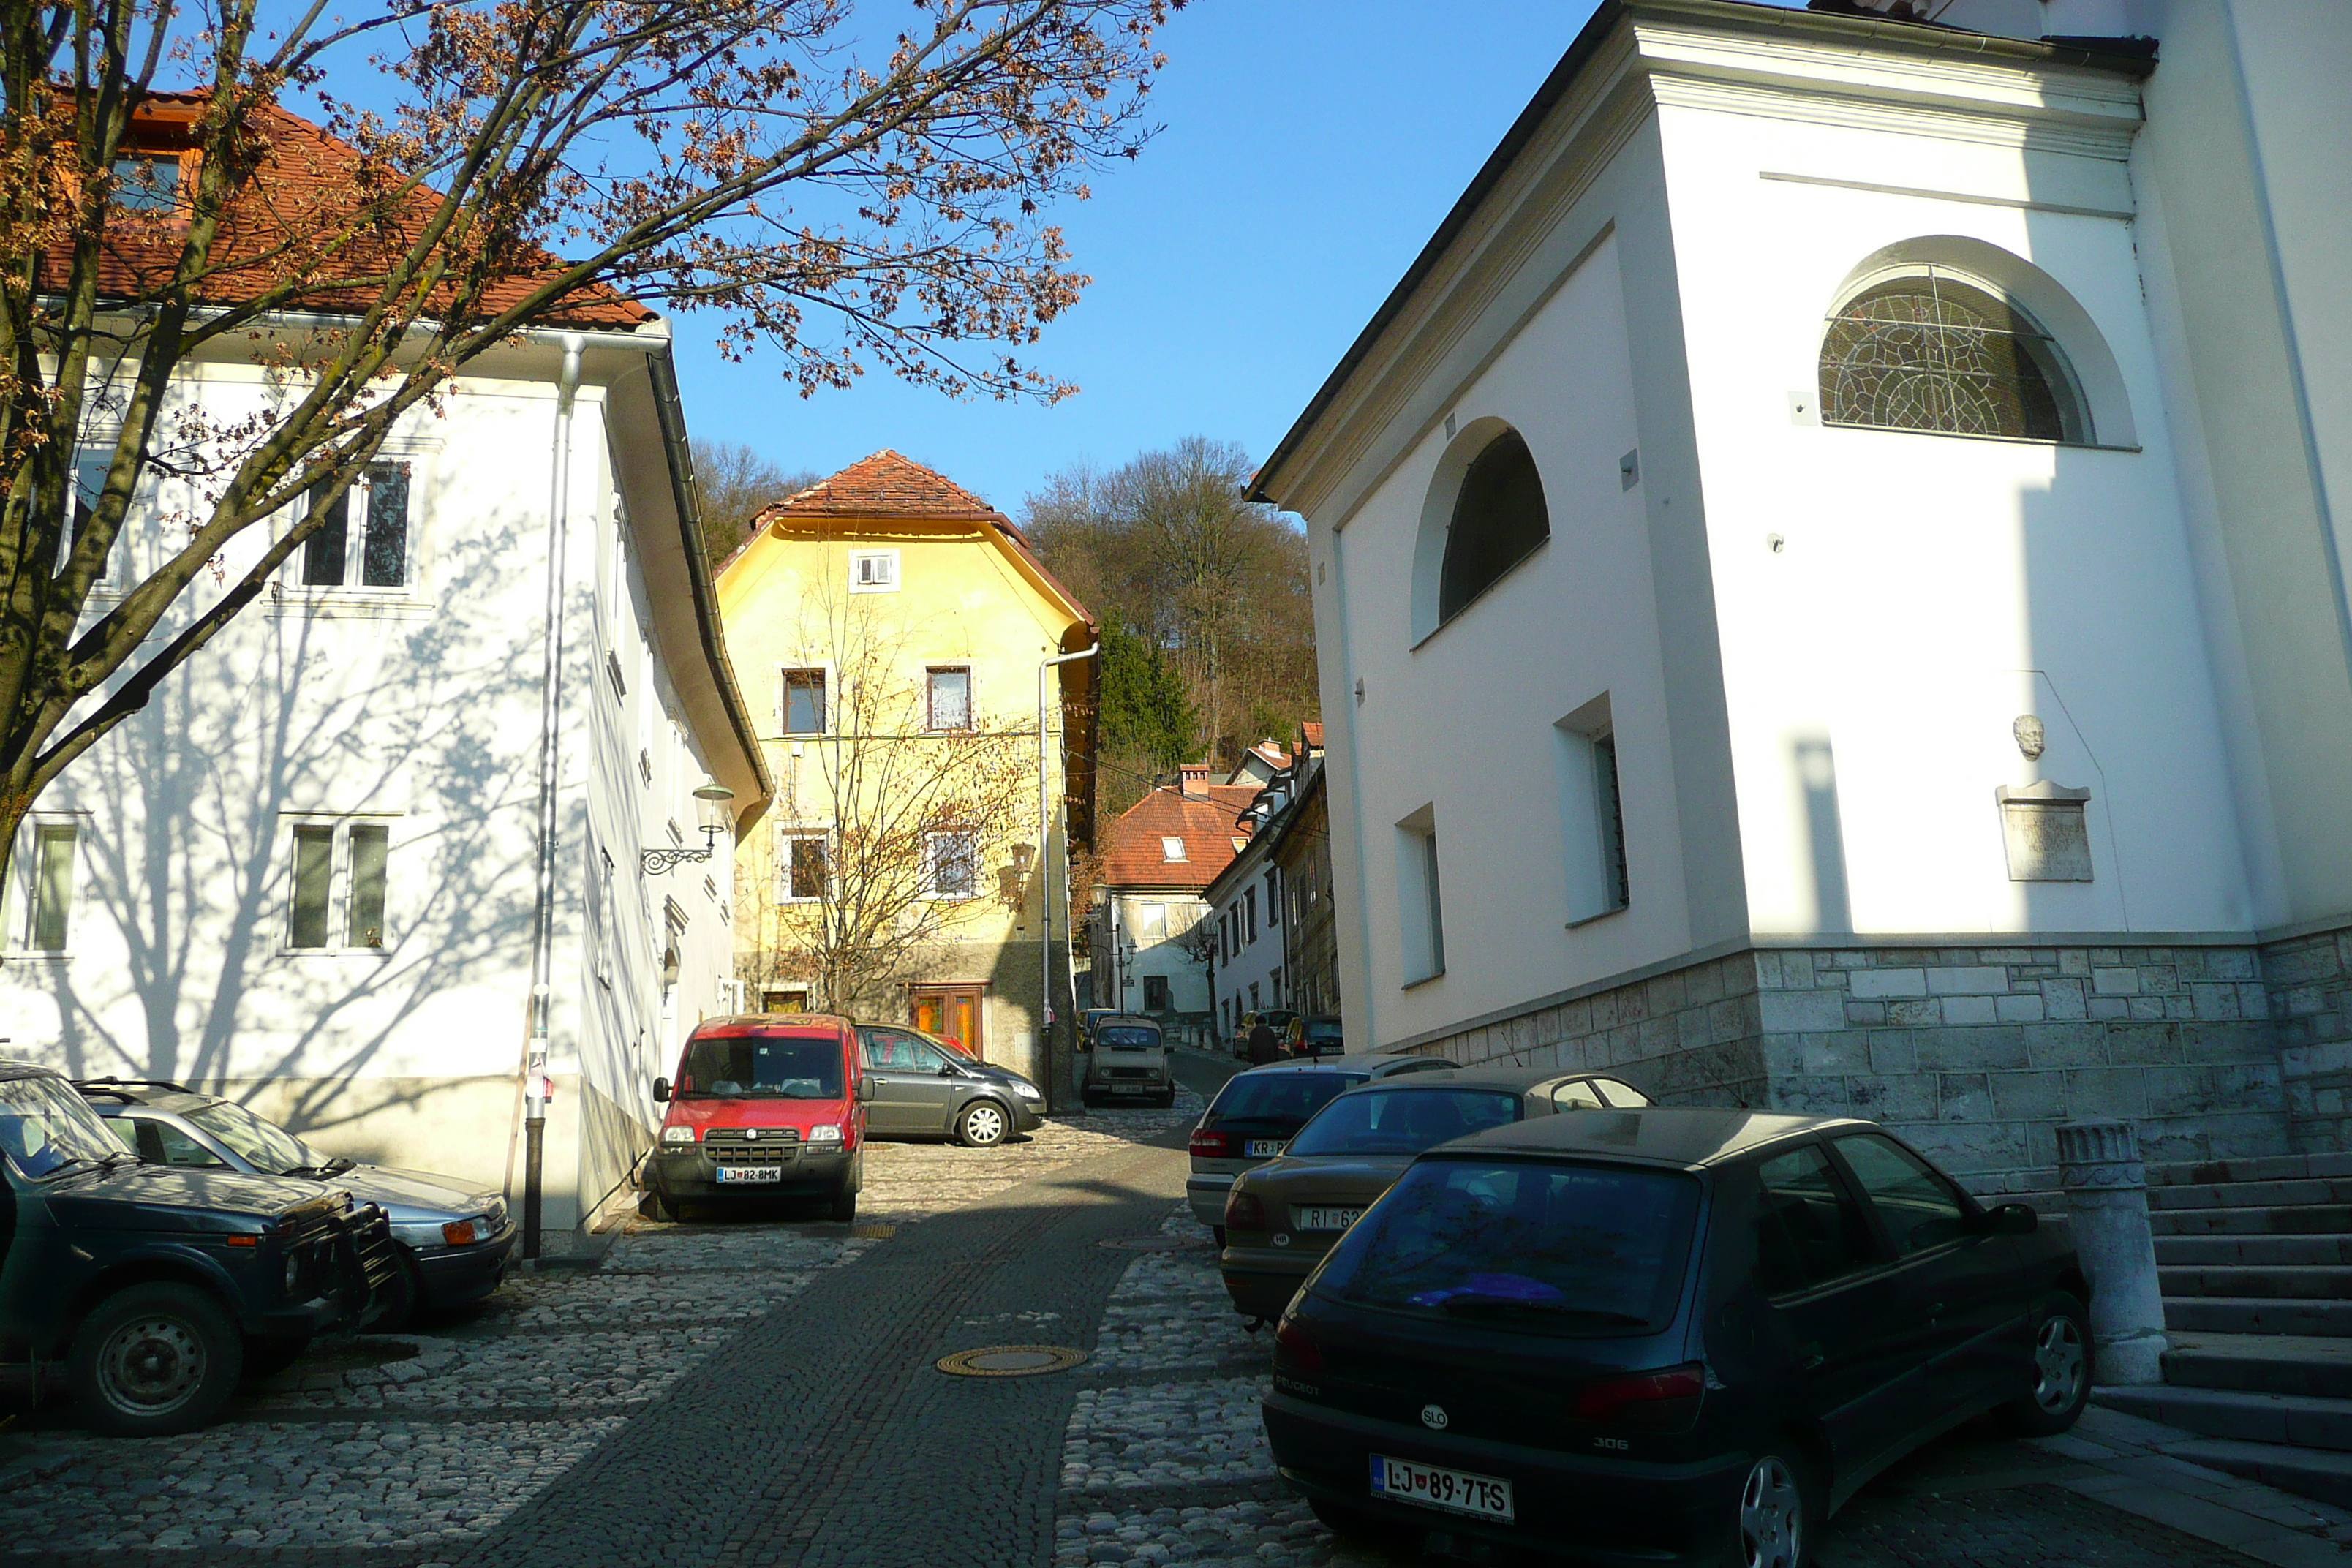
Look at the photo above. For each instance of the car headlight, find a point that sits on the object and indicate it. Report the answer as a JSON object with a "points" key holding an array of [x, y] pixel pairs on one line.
{"points": [[678, 1134], [824, 1132], [293, 1273], [1028, 1091]]}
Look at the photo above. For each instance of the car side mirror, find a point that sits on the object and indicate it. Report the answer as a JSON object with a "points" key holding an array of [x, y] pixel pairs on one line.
{"points": [[661, 1092], [2013, 1219], [949, 1070], [865, 1088]]}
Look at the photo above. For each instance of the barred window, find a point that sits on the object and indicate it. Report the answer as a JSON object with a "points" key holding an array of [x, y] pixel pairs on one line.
{"points": [[1930, 353]]}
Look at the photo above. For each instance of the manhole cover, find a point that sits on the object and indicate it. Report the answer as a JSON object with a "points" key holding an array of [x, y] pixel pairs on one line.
{"points": [[1010, 1361], [1148, 1243]]}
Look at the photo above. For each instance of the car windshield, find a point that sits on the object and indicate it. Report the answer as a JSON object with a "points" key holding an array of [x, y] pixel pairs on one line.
{"points": [[1589, 1249], [1402, 1121], [261, 1145], [750, 1067], [1278, 1100], [45, 1127], [1126, 1037], [1319, 1030]]}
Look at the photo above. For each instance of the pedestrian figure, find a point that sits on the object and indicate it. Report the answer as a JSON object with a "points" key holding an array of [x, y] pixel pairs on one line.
{"points": [[1264, 1044]]}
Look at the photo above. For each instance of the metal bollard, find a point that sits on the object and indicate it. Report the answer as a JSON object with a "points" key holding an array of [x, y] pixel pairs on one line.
{"points": [[2106, 1206]]}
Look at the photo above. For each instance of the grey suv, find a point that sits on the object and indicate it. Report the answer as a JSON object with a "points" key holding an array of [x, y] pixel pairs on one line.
{"points": [[923, 1088]]}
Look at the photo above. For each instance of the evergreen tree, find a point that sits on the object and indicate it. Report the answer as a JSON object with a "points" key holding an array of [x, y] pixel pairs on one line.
{"points": [[1147, 714]]}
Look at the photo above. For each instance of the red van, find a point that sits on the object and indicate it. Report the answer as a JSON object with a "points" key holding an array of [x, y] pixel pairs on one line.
{"points": [[772, 1105]]}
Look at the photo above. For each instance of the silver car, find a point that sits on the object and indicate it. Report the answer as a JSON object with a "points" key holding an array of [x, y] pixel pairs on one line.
{"points": [[456, 1241], [1252, 1117], [1128, 1065]]}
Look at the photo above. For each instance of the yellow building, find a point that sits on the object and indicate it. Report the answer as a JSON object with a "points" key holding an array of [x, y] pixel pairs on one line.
{"points": [[897, 631]]}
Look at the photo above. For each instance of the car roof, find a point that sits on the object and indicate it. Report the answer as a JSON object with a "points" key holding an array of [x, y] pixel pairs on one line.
{"points": [[768, 1023], [152, 1096], [1516, 1079], [12, 1068], [1126, 1018], [1353, 1061], [1688, 1136]]}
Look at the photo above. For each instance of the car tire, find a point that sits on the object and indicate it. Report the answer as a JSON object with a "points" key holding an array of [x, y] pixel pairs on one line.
{"points": [[2064, 1365], [983, 1124], [1353, 1525], [154, 1360], [659, 1208], [266, 1355], [1774, 1512], [402, 1299], [841, 1207]]}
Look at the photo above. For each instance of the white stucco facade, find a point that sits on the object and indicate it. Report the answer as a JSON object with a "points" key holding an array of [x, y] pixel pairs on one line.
{"points": [[325, 714], [1810, 644]]}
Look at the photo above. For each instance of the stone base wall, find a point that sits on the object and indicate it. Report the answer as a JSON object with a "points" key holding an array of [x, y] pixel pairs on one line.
{"points": [[2310, 982], [1976, 1054]]}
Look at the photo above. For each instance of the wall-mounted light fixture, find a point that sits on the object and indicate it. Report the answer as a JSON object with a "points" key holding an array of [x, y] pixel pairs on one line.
{"points": [[711, 799]]}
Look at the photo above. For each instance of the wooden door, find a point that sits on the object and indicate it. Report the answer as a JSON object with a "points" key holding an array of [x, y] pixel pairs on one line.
{"points": [[952, 1012]]}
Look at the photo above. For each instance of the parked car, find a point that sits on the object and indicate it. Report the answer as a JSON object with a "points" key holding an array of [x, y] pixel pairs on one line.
{"points": [[1318, 1037], [1664, 1335], [455, 1237], [157, 1289], [924, 1088], [1253, 1116], [1278, 1019], [764, 1105], [1129, 1063], [1087, 1019], [1283, 1216]]}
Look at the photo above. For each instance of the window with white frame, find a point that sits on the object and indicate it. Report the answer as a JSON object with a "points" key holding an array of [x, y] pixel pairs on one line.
{"points": [[337, 880], [951, 862], [364, 541], [873, 571], [804, 702], [1421, 912], [803, 867], [1151, 923], [1592, 813], [947, 697], [40, 899]]}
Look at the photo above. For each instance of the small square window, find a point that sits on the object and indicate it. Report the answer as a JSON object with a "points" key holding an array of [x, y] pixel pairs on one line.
{"points": [[1172, 848], [338, 863], [949, 698], [804, 702], [873, 571]]}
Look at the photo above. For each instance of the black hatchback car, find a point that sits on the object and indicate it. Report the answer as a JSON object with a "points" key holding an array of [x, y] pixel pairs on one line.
{"points": [[1664, 1335]]}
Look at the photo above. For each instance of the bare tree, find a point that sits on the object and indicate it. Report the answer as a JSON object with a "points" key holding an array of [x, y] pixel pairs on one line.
{"points": [[884, 832], [736, 156], [737, 484]]}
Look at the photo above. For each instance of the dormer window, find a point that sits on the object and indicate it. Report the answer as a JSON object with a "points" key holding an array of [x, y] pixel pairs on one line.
{"points": [[146, 183]]}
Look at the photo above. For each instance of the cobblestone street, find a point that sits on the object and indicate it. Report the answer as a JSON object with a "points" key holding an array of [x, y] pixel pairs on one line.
{"points": [[763, 1391]]}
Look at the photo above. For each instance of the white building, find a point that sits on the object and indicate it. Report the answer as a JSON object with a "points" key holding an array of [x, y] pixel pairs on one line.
{"points": [[1829, 577], [1157, 859], [304, 875], [1246, 901]]}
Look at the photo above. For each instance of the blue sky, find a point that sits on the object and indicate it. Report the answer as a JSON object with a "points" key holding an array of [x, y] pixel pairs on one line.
{"points": [[1310, 151]]}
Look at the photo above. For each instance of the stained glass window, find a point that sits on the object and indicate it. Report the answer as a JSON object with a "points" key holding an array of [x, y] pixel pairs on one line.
{"points": [[1931, 352]]}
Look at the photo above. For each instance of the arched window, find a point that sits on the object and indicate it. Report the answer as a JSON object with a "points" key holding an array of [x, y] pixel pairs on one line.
{"points": [[1498, 521], [1927, 351]]}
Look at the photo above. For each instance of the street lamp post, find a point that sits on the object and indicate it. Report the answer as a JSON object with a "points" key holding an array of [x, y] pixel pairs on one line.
{"points": [[1046, 880]]}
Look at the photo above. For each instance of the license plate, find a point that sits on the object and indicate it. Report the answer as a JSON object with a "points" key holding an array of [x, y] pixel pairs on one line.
{"points": [[1130, 1089], [1432, 1486], [1323, 1219], [1263, 1148], [750, 1173]]}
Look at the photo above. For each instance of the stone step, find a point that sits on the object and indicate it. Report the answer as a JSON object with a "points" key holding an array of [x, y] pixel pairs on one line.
{"points": [[2307, 1421], [2259, 1364], [2312, 1472], [2269, 1282], [2206, 1252], [2297, 1192], [2263, 1168], [2256, 1315], [2318, 1219]]}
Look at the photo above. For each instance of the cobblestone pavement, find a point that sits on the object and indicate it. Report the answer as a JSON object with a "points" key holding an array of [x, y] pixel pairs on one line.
{"points": [[764, 1393]]}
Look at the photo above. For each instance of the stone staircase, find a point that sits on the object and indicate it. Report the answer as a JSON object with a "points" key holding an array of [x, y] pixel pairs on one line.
{"points": [[2256, 1257]]}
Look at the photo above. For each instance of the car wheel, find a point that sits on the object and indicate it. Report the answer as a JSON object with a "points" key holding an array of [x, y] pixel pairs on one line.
{"points": [[266, 1355], [656, 1205], [403, 1294], [1774, 1525], [1354, 1524], [982, 1125], [2063, 1368], [154, 1360], [841, 1207]]}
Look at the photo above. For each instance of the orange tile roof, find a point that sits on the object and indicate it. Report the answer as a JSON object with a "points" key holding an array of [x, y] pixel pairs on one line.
{"points": [[1314, 735], [888, 484], [303, 184], [1132, 853]]}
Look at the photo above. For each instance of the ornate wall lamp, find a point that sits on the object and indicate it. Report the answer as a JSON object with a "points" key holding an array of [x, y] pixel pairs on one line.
{"points": [[711, 799]]}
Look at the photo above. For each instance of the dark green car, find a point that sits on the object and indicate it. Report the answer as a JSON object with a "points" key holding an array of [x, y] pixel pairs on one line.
{"points": [[155, 1290]]}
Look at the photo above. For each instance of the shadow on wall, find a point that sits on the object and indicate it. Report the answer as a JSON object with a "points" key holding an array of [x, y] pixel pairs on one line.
{"points": [[294, 714], [1816, 767]]}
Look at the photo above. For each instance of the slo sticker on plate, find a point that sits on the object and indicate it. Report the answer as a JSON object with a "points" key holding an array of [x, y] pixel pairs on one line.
{"points": [[1264, 1148], [1433, 1485]]}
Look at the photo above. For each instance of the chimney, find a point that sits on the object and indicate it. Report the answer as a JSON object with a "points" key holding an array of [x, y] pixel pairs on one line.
{"points": [[1192, 778]]}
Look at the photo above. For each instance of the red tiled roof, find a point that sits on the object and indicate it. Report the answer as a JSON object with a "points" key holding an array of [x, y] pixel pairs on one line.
{"points": [[305, 184], [1132, 853], [888, 484], [1314, 735]]}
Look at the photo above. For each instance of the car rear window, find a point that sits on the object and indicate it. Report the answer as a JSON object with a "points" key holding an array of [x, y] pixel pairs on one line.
{"points": [[1277, 1099], [748, 1066], [1402, 1121], [1126, 1037], [1570, 1250]]}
